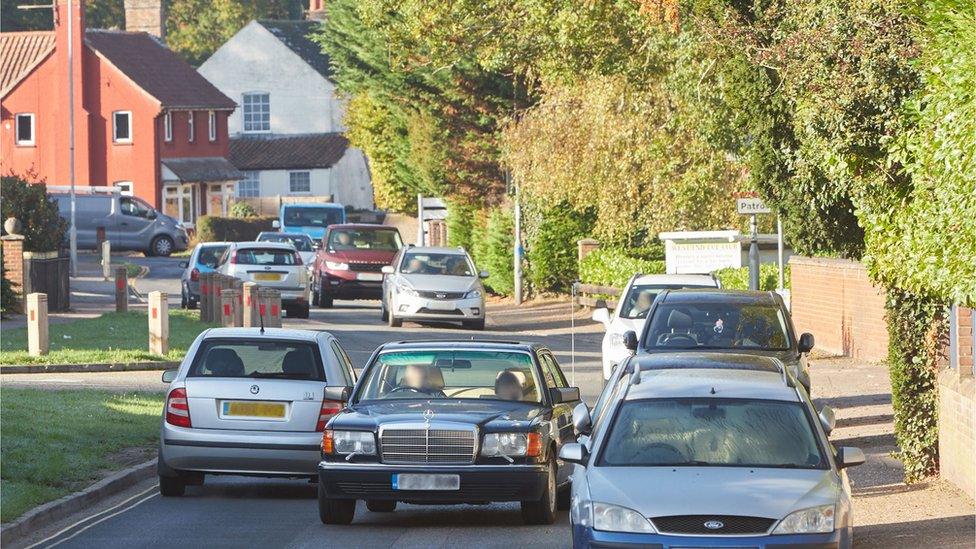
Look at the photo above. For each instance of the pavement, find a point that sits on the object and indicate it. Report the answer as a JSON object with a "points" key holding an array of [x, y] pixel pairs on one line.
{"points": [[238, 511]]}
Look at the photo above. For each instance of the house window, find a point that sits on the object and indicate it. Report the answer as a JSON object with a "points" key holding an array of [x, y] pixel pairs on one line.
{"points": [[124, 187], [257, 112], [168, 126], [299, 182], [189, 126], [122, 126], [250, 186], [25, 129], [212, 125]]}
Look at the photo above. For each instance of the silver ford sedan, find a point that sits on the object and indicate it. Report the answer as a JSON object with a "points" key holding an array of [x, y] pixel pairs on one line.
{"points": [[250, 401]]}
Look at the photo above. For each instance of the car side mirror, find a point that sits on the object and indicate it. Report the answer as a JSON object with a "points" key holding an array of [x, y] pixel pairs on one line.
{"points": [[805, 344], [827, 419], [275, 224], [338, 393], [387, 269], [483, 274], [169, 375], [630, 340], [560, 395], [581, 419], [848, 456], [152, 214], [184, 264], [573, 452], [602, 315]]}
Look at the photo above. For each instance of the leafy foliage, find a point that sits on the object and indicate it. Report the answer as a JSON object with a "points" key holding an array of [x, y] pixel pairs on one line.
{"points": [[7, 297], [551, 244], [42, 226], [738, 279], [614, 267], [242, 210], [232, 229], [99, 14], [494, 251]]}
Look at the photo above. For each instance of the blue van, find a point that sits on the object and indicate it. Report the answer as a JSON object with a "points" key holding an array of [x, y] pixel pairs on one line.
{"points": [[311, 219]]}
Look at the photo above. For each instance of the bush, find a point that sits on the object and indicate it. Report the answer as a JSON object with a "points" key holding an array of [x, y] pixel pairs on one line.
{"points": [[614, 267], [495, 254], [738, 279], [242, 210], [552, 250], [460, 225], [42, 226], [216, 229]]}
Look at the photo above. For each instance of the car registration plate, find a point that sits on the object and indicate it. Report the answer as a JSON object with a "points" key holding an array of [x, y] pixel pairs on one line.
{"points": [[440, 305], [274, 277], [262, 409], [370, 277], [412, 481]]}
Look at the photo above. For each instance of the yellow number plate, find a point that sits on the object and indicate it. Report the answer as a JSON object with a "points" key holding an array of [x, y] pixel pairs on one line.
{"points": [[267, 276], [254, 409]]}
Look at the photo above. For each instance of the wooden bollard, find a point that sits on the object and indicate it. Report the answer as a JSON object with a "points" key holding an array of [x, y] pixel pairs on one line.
{"points": [[230, 313], [38, 342], [237, 285], [269, 306], [121, 290], [158, 323], [204, 302], [220, 283], [106, 259], [249, 294]]}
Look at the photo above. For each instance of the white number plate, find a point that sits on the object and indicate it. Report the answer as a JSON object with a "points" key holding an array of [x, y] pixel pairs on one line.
{"points": [[440, 305], [370, 277], [410, 481]]}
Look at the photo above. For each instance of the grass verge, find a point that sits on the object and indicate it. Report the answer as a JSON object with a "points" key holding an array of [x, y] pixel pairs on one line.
{"points": [[112, 337], [58, 442]]}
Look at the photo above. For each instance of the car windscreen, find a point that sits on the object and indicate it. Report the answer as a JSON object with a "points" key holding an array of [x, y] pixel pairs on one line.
{"points": [[701, 326], [301, 242], [257, 359], [266, 256], [210, 255], [640, 298], [296, 216], [436, 264], [712, 432], [365, 239], [499, 375]]}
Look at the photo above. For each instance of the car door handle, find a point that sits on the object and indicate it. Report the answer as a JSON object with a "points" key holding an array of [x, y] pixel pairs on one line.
{"points": [[123, 223]]}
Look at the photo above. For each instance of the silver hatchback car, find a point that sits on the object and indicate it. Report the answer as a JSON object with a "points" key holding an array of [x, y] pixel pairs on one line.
{"points": [[250, 401]]}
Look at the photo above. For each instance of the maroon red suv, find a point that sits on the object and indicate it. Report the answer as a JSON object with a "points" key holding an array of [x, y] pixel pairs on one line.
{"points": [[350, 261]]}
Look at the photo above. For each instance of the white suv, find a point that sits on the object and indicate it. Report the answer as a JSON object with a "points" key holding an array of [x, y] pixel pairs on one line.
{"points": [[270, 265], [631, 312]]}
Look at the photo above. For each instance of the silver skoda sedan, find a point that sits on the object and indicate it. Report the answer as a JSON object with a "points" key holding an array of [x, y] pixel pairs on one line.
{"points": [[250, 401]]}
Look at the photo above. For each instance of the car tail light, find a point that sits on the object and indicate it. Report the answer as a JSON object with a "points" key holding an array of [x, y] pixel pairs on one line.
{"points": [[195, 274], [534, 446], [328, 446], [298, 258], [177, 408], [329, 408]]}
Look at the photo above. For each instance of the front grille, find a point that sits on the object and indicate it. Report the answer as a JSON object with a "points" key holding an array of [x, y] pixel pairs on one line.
{"points": [[426, 311], [440, 295], [695, 524], [367, 267], [447, 446]]}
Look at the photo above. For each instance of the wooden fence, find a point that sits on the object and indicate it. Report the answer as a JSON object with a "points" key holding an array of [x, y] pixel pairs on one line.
{"points": [[594, 297]]}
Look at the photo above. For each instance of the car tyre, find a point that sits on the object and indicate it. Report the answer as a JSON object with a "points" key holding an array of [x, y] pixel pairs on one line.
{"points": [[161, 246], [325, 300], [302, 312], [184, 300], [171, 487], [564, 497], [335, 511], [474, 324], [543, 510], [392, 321], [381, 505], [314, 298]]}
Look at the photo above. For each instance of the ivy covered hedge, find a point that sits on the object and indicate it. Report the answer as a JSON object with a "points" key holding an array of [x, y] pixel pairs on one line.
{"points": [[231, 229], [738, 279], [614, 267]]}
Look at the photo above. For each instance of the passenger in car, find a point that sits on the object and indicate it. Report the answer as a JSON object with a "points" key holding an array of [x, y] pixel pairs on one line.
{"points": [[224, 363]]}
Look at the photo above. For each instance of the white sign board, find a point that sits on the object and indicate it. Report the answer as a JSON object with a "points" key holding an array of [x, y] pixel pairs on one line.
{"points": [[750, 206], [700, 257]]}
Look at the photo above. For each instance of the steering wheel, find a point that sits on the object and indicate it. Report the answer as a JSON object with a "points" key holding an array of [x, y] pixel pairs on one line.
{"points": [[673, 454], [670, 339], [405, 388]]}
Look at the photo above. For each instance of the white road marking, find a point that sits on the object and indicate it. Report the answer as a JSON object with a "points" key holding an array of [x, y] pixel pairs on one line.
{"points": [[152, 489]]}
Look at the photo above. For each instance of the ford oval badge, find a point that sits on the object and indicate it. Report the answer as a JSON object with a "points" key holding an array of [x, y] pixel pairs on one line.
{"points": [[714, 525]]}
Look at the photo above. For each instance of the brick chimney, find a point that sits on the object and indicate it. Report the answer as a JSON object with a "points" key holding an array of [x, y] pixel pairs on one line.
{"points": [[146, 16], [316, 10]]}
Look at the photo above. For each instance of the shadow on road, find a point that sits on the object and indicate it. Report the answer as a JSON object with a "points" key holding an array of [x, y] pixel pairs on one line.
{"points": [[942, 532]]}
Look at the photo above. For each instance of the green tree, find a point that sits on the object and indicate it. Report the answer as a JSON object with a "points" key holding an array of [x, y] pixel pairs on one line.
{"points": [[42, 226], [99, 14]]}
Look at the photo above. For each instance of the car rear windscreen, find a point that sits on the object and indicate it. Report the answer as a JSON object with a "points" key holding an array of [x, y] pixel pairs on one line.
{"points": [[257, 359], [269, 256]]}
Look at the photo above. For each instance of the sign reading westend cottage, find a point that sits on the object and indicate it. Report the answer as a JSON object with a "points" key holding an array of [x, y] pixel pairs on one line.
{"points": [[700, 252]]}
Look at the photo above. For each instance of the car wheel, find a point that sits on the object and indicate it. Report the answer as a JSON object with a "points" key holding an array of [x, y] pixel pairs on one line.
{"points": [[543, 510], [392, 321], [161, 246], [314, 298], [381, 505], [325, 300], [474, 324], [335, 511], [171, 487], [184, 300], [303, 312], [383, 312], [564, 497]]}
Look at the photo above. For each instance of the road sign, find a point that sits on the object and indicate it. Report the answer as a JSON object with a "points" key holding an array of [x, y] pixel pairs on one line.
{"points": [[751, 206]]}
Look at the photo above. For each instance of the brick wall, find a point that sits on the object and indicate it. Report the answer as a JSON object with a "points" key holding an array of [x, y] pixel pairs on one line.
{"points": [[957, 407], [834, 300], [13, 266]]}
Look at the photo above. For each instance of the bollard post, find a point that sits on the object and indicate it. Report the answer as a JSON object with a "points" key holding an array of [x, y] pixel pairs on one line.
{"points": [[37, 337], [121, 290], [238, 286], [269, 306], [215, 288], [249, 311], [230, 307], [106, 259], [158, 323], [204, 302]]}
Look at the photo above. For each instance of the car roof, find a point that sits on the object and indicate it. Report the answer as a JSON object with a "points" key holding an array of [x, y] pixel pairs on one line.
{"points": [[267, 333], [709, 383], [690, 360], [213, 244], [465, 344], [333, 205], [272, 245], [718, 295], [268, 233], [438, 250], [690, 279], [361, 226]]}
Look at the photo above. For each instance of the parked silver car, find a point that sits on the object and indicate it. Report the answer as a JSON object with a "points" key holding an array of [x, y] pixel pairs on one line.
{"points": [[272, 265], [433, 284], [708, 450], [203, 260], [250, 401]]}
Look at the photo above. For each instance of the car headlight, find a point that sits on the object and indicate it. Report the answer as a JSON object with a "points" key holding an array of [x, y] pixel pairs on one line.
{"points": [[473, 294], [336, 266], [511, 444], [815, 520], [405, 289], [348, 442], [614, 518]]}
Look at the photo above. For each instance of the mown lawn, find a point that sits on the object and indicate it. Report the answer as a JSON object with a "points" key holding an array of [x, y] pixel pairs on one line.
{"points": [[58, 442], [112, 337]]}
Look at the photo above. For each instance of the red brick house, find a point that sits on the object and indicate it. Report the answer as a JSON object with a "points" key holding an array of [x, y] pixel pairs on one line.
{"points": [[145, 121]]}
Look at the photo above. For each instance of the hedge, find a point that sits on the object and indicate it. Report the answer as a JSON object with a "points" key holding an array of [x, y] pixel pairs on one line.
{"points": [[614, 267], [738, 279], [551, 253], [494, 252], [231, 229]]}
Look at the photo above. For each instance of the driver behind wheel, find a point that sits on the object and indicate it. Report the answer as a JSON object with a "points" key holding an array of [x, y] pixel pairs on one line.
{"points": [[423, 379]]}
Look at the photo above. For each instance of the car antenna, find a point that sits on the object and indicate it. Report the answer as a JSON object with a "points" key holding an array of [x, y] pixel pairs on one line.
{"points": [[261, 319]]}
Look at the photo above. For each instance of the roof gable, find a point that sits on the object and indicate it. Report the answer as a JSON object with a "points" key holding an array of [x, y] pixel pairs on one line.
{"points": [[295, 35], [20, 53]]}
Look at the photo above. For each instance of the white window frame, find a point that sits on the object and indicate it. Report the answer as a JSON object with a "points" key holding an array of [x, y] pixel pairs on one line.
{"points": [[308, 174], [212, 125], [115, 128], [168, 126], [33, 129], [125, 188], [245, 114], [250, 176], [189, 126]]}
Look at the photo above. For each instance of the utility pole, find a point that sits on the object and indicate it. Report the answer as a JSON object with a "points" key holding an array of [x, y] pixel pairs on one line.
{"points": [[779, 249], [420, 220], [72, 233], [754, 254], [518, 244]]}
